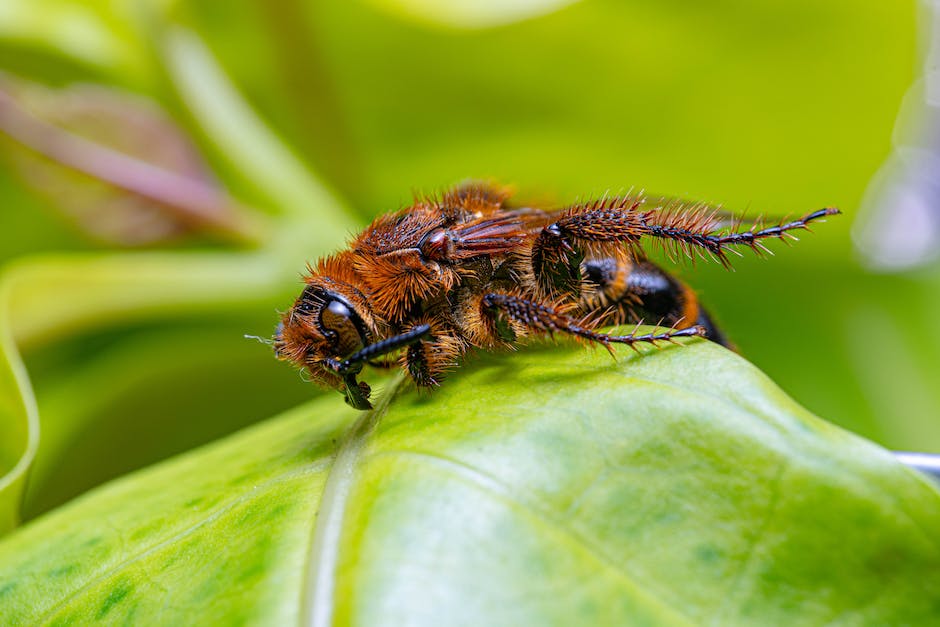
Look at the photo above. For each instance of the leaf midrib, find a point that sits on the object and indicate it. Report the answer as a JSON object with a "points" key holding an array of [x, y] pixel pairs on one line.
{"points": [[317, 600]]}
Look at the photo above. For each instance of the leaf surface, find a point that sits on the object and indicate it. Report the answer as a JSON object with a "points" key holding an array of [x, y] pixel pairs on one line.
{"points": [[551, 486]]}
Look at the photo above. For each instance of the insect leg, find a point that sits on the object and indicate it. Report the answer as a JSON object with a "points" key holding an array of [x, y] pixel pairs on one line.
{"points": [[357, 392], [649, 293], [693, 231], [689, 238], [428, 362], [547, 319]]}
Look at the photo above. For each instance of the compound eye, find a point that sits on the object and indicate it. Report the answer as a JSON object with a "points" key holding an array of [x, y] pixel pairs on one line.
{"points": [[342, 327]]}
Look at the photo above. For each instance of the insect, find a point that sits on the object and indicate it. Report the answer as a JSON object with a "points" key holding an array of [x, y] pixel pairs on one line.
{"points": [[470, 269]]}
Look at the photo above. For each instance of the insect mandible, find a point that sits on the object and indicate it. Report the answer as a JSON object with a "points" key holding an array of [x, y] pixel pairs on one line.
{"points": [[470, 269]]}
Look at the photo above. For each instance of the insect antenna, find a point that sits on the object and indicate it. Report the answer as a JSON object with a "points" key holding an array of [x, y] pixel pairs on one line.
{"points": [[267, 341]]}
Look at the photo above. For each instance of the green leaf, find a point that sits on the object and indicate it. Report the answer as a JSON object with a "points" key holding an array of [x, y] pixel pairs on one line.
{"points": [[128, 544], [551, 486], [99, 289], [95, 33], [87, 439]]}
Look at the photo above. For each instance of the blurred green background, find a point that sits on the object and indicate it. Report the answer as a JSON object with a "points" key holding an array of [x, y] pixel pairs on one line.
{"points": [[310, 118]]}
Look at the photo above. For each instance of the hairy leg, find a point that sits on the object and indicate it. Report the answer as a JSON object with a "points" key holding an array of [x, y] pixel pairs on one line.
{"points": [[546, 319], [696, 230], [429, 361]]}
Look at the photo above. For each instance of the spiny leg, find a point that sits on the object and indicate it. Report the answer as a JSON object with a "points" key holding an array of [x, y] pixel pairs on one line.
{"points": [[547, 319], [692, 230], [689, 239], [428, 362]]}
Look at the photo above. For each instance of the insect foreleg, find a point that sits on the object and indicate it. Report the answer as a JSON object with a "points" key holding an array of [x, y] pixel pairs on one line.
{"points": [[357, 392], [546, 319], [353, 363]]}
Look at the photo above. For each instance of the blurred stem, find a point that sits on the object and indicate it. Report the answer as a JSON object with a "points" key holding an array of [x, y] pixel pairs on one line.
{"points": [[19, 417], [924, 462], [190, 200], [247, 142], [306, 79], [53, 296]]}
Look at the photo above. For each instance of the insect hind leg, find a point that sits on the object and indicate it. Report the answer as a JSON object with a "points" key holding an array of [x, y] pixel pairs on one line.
{"points": [[546, 319], [693, 230]]}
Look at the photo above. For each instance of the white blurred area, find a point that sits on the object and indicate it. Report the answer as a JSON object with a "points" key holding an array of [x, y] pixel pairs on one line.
{"points": [[898, 227]]}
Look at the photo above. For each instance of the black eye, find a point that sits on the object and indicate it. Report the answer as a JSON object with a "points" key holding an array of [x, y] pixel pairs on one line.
{"points": [[342, 327]]}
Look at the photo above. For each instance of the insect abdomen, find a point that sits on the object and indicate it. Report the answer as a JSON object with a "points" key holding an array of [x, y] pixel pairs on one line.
{"points": [[644, 291]]}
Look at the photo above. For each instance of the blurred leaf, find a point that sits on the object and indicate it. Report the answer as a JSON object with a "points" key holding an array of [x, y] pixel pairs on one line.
{"points": [[117, 165], [468, 504], [470, 13], [41, 300], [34, 226], [97, 33], [102, 289], [221, 382], [746, 104]]}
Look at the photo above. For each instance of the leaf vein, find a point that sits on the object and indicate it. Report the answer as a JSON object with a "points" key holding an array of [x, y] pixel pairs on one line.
{"points": [[180, 535], [773, 502], [488, 484]]}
